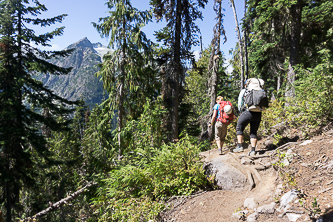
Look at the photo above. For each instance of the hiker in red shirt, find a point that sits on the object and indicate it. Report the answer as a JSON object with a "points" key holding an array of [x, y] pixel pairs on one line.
{"points": [[224, 115]]}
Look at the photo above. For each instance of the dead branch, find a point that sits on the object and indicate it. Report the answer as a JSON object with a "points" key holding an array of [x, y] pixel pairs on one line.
{"points": [[260, 167], [284, 146], [290, 211], [323, 191], [251, 181], [59, 203], [253, 157], [241, 156], [320, 159], [329, 182], [258, 157]]}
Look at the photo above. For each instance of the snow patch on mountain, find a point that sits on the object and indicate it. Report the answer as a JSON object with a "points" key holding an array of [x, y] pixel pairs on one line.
{"points": [[102, 50]]}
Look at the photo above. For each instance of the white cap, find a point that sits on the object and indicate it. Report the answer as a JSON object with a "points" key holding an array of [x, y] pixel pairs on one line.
{"points": [[227, 109]]}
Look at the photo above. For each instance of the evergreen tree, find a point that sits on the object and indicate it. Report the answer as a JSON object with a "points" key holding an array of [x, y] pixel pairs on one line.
{"points": [[284, 35], [197, 82], [294, 52], [179, 35], [126, 73], [22, 98]]}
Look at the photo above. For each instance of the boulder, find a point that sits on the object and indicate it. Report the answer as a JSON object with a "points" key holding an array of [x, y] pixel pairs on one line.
{"points": [[267, 208], [287, 198], [227, 176]]}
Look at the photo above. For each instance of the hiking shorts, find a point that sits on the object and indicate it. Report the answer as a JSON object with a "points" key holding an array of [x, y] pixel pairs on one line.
{"points": [[220, 131], [246, 118]]}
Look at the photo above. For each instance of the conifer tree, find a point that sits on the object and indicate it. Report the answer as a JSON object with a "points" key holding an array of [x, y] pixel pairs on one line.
{"points": [[295, 37], [22, 98], [179, 35], [126, 73], [286, 35]]}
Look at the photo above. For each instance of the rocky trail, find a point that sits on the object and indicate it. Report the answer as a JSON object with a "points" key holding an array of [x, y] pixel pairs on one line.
{"points": [[292, 182]]}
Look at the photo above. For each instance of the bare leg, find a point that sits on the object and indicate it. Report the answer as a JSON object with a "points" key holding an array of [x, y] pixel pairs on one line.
{"points": [[253, 143], [219, 145], [253, 146], [240, 139]]}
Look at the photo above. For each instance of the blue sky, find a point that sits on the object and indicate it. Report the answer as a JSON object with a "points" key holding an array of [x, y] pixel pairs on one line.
{"points": [[81, 13]]}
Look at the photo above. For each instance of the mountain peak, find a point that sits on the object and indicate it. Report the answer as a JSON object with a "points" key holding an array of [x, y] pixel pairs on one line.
{"points": [[96, 47], [82, 43]]}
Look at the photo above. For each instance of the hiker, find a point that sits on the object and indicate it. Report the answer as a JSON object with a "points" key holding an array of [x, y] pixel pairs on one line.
{"points": [[250, 114], [223, 115]]}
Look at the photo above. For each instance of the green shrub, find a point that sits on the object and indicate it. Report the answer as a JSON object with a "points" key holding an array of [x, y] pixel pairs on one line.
{"points": [[135, 191], [314, 88], [272, 116]]}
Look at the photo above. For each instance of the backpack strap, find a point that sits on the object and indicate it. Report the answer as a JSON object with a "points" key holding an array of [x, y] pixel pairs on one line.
{"points": [[259, 83], [220, 109]]}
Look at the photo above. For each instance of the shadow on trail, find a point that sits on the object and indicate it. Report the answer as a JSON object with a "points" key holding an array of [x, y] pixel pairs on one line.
{"points": [[327, 217], [281, 142]]}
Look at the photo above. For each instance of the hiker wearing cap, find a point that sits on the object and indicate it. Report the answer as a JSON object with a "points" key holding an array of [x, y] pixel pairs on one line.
{"points": [[223, 115], [251, 102]]}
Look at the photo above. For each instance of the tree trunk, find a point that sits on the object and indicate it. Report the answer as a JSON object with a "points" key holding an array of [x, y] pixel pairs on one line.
{"points": [[295, 31], [8, 198], [46, 132], [121, 92], [278, 87], [240, 43], [176, 73], [14, 164], [214, 63], [120, 116], [245, 31]]}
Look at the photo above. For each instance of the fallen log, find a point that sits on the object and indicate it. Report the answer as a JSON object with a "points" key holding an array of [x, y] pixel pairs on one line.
{"points": [[58, 204]]}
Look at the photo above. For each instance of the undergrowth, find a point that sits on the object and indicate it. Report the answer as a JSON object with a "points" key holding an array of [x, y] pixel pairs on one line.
{"points": [[136, 191]]}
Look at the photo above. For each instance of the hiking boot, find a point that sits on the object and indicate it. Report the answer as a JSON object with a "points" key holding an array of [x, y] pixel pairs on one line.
{"points": [[252, 153], [238, 149]]}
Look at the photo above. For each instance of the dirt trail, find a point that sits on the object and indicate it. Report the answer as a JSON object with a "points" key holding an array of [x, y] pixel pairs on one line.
{"points": [[312, 165], [219, 205]]}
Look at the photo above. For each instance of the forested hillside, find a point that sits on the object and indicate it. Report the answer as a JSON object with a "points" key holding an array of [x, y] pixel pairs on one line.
{"points": [[60, 161]]}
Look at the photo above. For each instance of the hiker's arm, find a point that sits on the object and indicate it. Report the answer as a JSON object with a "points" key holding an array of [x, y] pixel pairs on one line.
{"points": [[232, 117], [240, 99], [213, 117]]}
